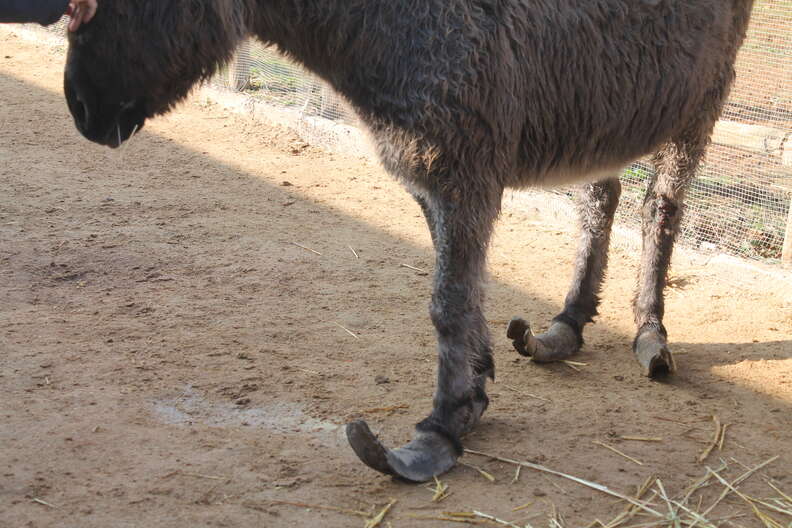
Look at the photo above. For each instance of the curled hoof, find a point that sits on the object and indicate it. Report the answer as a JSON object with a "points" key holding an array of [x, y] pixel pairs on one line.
{"points": [[653, 355], [426, 456], [517, 331], [560, 341]]}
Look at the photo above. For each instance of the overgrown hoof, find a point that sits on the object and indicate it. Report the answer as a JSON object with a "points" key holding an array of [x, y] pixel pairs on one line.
{"points": [[653, 355], [426, 456], [517, 331], [560, 342]]}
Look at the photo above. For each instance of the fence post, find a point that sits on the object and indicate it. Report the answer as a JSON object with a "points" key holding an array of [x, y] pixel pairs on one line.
{"points": [[786, 252], [239, 68]]}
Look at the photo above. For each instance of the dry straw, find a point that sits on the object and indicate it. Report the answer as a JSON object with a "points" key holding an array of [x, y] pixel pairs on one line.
{"points": [[671, 511], [483, 473], [419, 270], [347, 330], [377, 519], [440, 490], [495, 520], [519, 391], [306, 248], [611, 448], [716, 439], [347, 511]]}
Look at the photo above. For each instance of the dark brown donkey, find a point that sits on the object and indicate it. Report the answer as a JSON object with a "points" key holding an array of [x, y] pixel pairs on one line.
{"points": [[464, 99]]}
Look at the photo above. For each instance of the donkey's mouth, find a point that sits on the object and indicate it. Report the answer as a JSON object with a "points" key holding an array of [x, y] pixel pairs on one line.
{"points": [[108, 124], [129, 121]]}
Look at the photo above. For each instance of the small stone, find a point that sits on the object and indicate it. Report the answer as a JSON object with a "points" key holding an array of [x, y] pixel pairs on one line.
{"points": [[381, 380], [242, 401], [539, 493]]}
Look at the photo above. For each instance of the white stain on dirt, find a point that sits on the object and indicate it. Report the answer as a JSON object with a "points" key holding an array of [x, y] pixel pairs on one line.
{"points": [[191, 407]]}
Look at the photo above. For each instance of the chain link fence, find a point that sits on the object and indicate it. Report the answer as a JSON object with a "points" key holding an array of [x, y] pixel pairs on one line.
{"points": [[739, 203]]}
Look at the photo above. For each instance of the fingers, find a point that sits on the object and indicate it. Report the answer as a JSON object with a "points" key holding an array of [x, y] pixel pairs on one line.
{"points": [[81, 11], [90, 10], [76, 17]]}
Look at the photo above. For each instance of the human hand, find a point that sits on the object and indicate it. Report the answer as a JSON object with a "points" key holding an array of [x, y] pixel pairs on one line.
{"points": [[80, 11]]}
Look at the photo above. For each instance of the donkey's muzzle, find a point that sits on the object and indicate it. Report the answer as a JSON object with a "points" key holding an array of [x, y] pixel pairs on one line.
{"points": [[106, 123]]}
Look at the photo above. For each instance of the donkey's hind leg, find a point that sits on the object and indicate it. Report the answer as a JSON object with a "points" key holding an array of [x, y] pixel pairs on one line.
{"points": [[596, 206], [675, 166]]}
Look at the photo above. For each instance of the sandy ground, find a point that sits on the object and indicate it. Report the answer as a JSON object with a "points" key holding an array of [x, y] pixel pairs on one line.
{"points": [[170, 357]]}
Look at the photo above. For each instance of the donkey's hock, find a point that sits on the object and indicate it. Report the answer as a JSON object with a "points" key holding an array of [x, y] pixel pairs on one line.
{"points": [[464, 99]]}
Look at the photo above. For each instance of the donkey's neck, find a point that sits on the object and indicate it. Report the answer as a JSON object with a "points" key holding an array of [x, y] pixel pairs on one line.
{"points": [[390, 59], [320, 34]]}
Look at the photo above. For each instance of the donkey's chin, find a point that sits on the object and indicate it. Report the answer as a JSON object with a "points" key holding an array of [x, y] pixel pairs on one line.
{"points": [[123, 130], [128, 122], [112, 131]]}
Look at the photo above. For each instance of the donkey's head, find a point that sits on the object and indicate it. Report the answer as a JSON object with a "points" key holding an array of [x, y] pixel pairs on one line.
{"points": [[137, 58]]}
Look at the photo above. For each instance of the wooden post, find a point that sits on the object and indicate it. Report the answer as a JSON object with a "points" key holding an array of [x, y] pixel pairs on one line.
{"points": [[239, 68], [786, 252]]}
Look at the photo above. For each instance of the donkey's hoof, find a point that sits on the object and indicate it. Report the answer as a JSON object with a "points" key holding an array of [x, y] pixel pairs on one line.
{"points": [[426, 456], [367, 447], [518, 331], [557, 344], [653, 355]]}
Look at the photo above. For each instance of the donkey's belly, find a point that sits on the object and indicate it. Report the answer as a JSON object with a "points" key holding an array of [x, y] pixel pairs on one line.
{"points": [[574, 176]]}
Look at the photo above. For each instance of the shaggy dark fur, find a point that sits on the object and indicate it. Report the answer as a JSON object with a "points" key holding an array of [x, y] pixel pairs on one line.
{"points": [[464, 98]]}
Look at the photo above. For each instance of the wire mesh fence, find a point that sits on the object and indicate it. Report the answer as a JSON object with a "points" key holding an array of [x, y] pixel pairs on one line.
{"points": [[739, 203]]}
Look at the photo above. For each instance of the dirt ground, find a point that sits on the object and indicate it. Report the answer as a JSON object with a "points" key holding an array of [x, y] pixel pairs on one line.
{"points": [[170, 357]]}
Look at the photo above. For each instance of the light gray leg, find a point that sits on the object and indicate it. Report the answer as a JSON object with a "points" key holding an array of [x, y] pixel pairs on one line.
{"points": [[463, 221], [482, 358], [596, 206], [429, 216]]}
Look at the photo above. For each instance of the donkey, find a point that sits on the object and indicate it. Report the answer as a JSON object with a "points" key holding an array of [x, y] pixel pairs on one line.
{"points": [[464, 98]]}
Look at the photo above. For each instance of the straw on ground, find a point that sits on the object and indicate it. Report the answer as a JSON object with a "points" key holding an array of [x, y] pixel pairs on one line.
{"points": [[377, 519], [628, 457], [306, 248]]}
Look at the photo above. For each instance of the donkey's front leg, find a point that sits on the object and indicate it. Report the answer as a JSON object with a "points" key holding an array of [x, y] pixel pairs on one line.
{"points": [[463, 220], [597, 204]]}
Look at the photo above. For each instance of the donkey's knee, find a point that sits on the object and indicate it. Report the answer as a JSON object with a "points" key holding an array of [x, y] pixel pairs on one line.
{"points": [[452, 310], [662, 214]]}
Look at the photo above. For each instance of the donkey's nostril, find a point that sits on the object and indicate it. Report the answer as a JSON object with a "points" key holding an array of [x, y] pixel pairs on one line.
{"points": [[76, 104]]}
